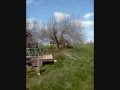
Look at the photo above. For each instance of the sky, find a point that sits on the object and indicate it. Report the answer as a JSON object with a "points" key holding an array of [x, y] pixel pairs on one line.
{"points": [[43, 10]]}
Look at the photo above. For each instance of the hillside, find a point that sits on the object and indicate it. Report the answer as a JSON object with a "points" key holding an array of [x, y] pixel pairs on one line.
{"points": [[74, 70]]}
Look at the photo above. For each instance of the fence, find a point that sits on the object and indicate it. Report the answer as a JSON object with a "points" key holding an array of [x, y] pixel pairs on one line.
{"points": [[33, 51]]}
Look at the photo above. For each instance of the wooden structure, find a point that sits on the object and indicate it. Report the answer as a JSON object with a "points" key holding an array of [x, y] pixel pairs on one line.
{"points": [[44, 58], [28, 38], [33, 54]]}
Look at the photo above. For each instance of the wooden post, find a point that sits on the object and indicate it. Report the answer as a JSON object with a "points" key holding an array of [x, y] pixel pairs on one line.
{"points": [[38, 63], [38, 66]]}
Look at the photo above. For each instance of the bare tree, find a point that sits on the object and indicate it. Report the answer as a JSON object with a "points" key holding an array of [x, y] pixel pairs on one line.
{"points": [[63, 33], [33, 27]]}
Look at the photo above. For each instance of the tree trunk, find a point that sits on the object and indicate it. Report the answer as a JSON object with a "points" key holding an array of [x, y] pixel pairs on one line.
{"points": [[57, 42]]}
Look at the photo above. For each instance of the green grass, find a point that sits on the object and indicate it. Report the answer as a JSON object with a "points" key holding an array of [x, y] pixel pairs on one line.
{"points": [[67, 73]]}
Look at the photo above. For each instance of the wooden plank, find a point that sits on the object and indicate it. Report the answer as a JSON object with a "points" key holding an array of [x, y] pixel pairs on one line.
{"points": [[38, 63], [31, 56], [46, 57]]}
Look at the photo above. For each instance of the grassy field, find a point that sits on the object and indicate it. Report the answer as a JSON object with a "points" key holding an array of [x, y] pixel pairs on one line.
{"points": [[74, 70]]}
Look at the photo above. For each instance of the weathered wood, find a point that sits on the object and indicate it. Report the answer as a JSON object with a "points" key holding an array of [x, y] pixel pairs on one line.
{"points": [[31, 56], [49, 57], [34, 60], [37, 61], [38, 65]]}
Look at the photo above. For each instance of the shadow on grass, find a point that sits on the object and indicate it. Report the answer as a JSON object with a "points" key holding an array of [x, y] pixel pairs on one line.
{"points": [[44, 63], [27, 88], [42, 70]]}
